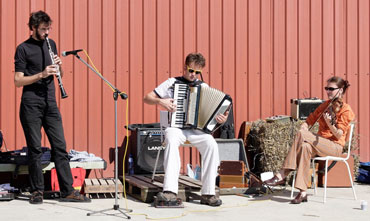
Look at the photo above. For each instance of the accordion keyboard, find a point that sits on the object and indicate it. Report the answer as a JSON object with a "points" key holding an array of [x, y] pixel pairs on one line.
{"points": [[180, 100]]}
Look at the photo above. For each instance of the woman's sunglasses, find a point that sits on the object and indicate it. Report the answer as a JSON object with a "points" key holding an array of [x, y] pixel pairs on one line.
{"points": [[192, 71], [331, 88]]}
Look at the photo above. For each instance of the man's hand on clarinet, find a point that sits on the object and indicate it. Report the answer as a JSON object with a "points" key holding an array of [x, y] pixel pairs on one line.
{"points": [[49, 70], [57, 60]]}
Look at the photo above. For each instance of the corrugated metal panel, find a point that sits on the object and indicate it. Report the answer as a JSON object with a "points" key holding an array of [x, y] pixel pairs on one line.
{"points": [[79, 77], [363, 74], [263, 53]]}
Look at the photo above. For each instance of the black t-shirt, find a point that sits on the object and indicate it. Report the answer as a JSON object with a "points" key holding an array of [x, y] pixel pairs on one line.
{"points": [[31, 57]]}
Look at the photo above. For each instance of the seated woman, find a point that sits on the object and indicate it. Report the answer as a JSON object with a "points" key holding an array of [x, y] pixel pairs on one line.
{"points": [[333, 127]]}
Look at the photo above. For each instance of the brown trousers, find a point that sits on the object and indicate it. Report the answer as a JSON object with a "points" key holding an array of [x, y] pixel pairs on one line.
{"points": [[307, 145]]}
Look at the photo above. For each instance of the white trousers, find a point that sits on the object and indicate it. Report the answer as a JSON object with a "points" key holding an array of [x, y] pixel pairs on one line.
{"points": [[208, 148]]}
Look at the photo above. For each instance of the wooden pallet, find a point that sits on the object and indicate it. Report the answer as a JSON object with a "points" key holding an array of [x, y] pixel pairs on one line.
{"points": [[141, 187], [102, 188]]}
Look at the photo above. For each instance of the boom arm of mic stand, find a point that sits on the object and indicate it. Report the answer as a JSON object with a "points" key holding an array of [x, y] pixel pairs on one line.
{"points": [[122, 95]]}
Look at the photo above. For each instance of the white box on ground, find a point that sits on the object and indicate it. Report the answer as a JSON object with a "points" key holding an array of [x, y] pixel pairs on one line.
{"points": [[266, 175]]}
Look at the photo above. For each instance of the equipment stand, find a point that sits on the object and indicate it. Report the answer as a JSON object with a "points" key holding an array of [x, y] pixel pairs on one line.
{"points": [[115, 97]]}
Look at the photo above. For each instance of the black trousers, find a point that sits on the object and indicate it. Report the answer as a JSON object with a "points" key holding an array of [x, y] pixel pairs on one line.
{"points": [[35, 114]]}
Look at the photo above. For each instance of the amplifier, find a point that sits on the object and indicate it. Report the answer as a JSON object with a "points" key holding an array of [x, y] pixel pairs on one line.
{"points": [[232, 150], [301, 108], [147, 142], [278, 118], [233, 163]]}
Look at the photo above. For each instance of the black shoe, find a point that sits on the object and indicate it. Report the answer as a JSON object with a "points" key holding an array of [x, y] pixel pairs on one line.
{"points": [[211, 200], [75, 196], [37, 197]]}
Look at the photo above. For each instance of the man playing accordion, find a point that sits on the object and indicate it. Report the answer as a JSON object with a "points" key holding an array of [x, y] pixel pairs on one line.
{"points": [[175, 137]]}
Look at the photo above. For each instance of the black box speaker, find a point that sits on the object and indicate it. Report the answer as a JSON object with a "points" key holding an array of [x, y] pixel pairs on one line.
{"points": [[301, 108], [148, 142], [232, 150]]}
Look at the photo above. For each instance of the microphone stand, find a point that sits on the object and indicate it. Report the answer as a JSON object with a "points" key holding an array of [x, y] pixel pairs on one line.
{"points": [[115, 97]]}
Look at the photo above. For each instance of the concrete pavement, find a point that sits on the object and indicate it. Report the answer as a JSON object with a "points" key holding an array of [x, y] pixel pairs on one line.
{"points": [[340, 205]]}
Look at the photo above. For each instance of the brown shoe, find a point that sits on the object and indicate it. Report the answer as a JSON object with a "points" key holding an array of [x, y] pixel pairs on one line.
{"points": [[274, 181], [37, 197], [75, 196], [166, 196], [211, 200], [299, 198]]}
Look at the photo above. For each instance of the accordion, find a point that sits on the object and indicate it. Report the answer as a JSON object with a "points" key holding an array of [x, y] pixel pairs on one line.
{"points": [[197, 106]]}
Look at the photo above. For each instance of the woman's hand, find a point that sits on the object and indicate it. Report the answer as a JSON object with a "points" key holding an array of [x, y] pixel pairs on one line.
{"points": [[328, 118]]}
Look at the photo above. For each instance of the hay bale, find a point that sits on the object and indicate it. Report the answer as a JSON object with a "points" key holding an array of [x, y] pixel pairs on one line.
{"points": [[270, 142], [354, 147]]}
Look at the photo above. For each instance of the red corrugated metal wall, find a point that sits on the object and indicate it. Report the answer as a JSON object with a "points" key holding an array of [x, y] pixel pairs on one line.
{"points": [[262, 53]]}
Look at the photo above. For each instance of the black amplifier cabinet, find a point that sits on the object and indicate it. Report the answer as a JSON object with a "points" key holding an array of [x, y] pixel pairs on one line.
{"points": [[301, 108], [145, 149]]}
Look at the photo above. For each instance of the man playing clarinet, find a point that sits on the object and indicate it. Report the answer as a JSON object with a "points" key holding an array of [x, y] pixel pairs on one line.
{"points": [[34, 71], [175, 137]]}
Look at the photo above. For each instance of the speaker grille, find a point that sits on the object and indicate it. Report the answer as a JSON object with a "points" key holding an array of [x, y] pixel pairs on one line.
{"points": [[231, 149], [306, 108], [148, 144]]}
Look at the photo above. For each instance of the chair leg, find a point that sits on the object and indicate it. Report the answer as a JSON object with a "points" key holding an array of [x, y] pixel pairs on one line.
{"points": [[314, 177], [350, 179], [291, 194], [155, 165], [326, 179]]}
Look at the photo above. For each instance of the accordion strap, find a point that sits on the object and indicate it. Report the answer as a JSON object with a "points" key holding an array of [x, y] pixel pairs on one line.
{"points": [[182, 80]]}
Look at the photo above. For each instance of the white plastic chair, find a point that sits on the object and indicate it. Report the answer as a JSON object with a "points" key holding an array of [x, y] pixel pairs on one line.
{"points": [[331, 158]]}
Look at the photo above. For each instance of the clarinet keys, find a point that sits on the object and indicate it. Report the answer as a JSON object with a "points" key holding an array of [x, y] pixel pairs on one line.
{"points": [[63, 93]]}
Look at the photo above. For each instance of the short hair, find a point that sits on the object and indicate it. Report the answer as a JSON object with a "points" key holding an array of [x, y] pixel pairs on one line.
{"points": [[197, 58], [340, 82], [36, 18]]}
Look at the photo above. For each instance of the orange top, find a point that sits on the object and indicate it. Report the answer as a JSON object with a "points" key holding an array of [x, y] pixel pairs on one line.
{"points": [[344, 117]]}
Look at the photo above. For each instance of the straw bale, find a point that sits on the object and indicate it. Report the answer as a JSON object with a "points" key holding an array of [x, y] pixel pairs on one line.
{"points": [[270, 142], [354, 148]]}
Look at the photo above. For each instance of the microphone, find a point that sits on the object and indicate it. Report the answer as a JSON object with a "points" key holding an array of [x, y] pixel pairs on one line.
{"points": [[74, 52]]}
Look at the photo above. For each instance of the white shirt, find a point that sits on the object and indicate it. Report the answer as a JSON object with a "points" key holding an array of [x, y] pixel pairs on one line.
{"points": [[165, 90]]}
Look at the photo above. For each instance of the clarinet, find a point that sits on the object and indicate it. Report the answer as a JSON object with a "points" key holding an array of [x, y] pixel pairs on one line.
{"points": [[62, 91]]}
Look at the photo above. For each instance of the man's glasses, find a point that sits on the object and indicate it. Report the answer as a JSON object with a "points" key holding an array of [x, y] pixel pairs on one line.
{"points": [[331, 88], [192, 71], [45, 29]]}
